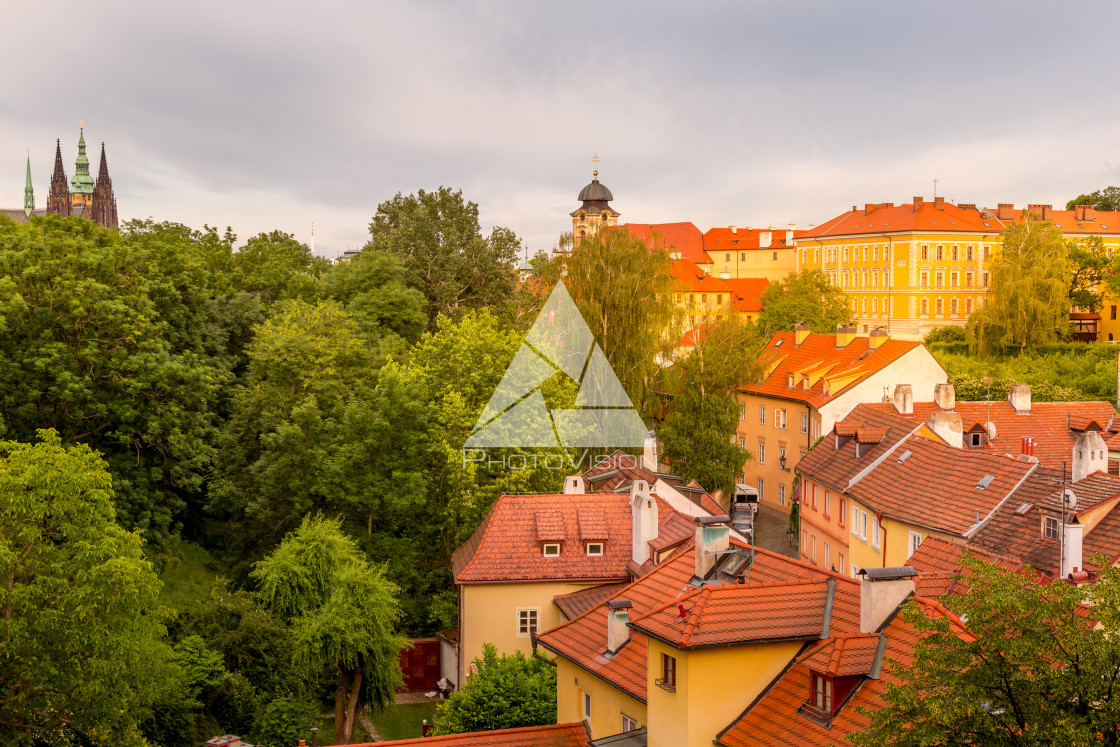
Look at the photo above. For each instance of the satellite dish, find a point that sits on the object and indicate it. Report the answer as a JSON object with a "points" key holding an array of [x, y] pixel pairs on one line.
{"points": [[1069, 500]]}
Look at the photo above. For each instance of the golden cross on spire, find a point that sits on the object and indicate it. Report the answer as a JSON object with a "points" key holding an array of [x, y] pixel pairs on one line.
{"points": [[595, 165], [82, 124]]}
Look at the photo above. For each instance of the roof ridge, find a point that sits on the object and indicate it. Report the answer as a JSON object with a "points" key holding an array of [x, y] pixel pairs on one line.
{"points": [[697, 611]]}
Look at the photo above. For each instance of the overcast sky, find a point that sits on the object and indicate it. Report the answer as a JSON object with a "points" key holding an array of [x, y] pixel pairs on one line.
{"points": [[275, 115]]}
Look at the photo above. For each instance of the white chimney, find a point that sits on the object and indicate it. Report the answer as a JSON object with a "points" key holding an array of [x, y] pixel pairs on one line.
{"points": [[643, 512], [881, 590], [789, 235], [764, 239], [618, 615], [649, 453], [713, 535], [573, 485], [1020, 399], [945, 396], [949, 427], [1072, 534], [904, 399], [1090, 454]]}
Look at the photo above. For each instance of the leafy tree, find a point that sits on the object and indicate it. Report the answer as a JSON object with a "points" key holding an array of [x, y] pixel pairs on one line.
{"points": [[1092, 270], [1028, 302], [343, 613], [286, 720], [276, 267], [805, 297], [698, 434], [623, 288], [79, 625], [1036, 669], [436, 236], [946, 334], [507, 692], [1103, 199], [372, 288]]}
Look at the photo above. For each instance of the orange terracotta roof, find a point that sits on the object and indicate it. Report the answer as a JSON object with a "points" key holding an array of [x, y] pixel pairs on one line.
{"points": [[689, 278], [684, 238], [837, 467], [855, 357], [843, 656], [1102, 222], [888, 218], [726, 240], [776, 717], [558, 735], [576, 603], [1049, 423], [583, 640], [747, 292], [694, 336], [718, 615]]}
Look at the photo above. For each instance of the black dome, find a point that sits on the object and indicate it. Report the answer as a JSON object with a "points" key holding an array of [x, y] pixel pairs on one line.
{"points": [[595, 192]]}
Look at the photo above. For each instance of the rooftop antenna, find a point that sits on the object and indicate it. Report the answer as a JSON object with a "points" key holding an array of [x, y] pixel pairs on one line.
{"points": [[313, 237], [935, 189]]}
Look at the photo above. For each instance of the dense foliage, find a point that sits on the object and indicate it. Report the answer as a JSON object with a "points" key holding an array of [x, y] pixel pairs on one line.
{"points": [[805, 297], [506, 692], [1037, 668], [1065, 372], [1102, 199]]}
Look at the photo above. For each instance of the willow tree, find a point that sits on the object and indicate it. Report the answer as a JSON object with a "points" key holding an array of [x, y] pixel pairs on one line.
{"points": [[1028, 302], [623, 286], [343, 613]]}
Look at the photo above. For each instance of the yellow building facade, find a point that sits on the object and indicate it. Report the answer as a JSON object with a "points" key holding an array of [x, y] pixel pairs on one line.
{"points": [[611, 710]]}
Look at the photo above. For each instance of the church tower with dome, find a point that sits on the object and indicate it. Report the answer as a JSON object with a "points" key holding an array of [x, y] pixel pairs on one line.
{"points": [[594, 211]]}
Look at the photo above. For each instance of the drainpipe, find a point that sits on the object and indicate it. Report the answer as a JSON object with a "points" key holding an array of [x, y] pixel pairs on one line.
{"points": [[882, 537]]}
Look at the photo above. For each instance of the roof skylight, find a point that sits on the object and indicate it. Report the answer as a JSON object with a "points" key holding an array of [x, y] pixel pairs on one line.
{"points": [[985, 481]]}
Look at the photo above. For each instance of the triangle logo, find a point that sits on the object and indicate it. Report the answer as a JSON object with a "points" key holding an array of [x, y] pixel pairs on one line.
{"points": [[559, 344]]}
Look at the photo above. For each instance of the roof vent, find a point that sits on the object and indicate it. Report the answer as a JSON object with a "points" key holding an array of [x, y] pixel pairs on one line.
{"points": [[1024, 509], [905, 455], [985, 481]]}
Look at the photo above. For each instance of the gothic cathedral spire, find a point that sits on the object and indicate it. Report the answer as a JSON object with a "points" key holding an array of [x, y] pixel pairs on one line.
{"points": [[58, 199], [28, 191], [103, 210]]}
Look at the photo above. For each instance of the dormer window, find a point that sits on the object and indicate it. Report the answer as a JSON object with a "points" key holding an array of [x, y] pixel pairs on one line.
{"points": [[552, 549], [594, 548], [822, 694]]}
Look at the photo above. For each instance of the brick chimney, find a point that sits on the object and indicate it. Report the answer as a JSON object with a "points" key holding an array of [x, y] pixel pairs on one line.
{"points": [[939, 203], [904, 399], [1090, 454], [1020, 398], [1005, 211], [643, 512], [918, 203], [764, 239], [618, 615], [713, 535], [966, 205], [573, 485], [881, 590], [1084, 212], [801, 332], [1042, 211], [949, 427], [945, 396], [878, 337], [845, 333]]}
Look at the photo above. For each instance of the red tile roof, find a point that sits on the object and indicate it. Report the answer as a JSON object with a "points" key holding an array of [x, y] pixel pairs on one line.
{"points": [[693, 279], [1049, 423], [775, 718], [1103, 222], [843, 656], [719, 615], [726, 240], [577, 602], [559, 735], [837, 467], [817, 360], [887, 217], [680, 237], [747, 292], [583, 640]]}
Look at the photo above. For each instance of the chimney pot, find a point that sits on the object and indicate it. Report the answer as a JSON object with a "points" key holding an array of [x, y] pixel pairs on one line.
{"points": [[904, 399], [1005, 211], [945, 396], [764, 239], [618, 632]]}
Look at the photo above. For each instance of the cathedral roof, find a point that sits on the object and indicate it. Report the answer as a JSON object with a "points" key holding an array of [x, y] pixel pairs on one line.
{"points": [[595, 191]]}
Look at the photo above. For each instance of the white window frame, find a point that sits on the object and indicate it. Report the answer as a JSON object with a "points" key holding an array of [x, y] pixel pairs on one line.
{"points": [[762, 414], [761, 453], [1051, 521], [628, 724], [855, 520], [827, 556], [779, 418], [594, 553], [915, 542], [804, 422], [863, 525], [585, 706], [855, 571], [545, 550], [874, 533], [528, 618], [781, 494], [813, 543], [761, 488]]}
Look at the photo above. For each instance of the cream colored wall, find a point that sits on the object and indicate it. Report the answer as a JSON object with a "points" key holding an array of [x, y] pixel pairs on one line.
{"points": [[489, 615], [754, 263], [608, 703], [790, 438], [704, 704]]}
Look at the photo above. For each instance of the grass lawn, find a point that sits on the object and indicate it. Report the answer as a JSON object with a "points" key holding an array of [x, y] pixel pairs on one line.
{"points": [[403, 721]]}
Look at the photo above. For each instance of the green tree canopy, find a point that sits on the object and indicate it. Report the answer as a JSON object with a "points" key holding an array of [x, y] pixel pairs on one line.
{"points": [[698, 434], [1028, 302], [343, 613], [805, 297], [1102, 199], [1093, 272], [79, 625], [437, 238], [1036, 669], [506, 692]]}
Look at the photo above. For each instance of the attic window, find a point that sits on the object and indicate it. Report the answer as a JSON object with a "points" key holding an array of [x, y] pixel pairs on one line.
{"points": [[1050, 528], [976, 440], [552, 549], [778, 344], [791, 381], [985, 481], [594, 548]]}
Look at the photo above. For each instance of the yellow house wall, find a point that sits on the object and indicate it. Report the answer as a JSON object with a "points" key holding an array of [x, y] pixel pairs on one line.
{"points": [[703, 704], [774, 263], [608, 703], [489, 615], [825, 524], [894, 541], [751, 432]]}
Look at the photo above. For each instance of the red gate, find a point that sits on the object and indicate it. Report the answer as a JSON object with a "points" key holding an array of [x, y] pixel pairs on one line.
{"points": [[420, 665]]}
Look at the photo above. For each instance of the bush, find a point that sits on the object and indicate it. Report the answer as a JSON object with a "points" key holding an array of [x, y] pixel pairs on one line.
{"points": [[1059, 372], [948, 334], [507, 692]]}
